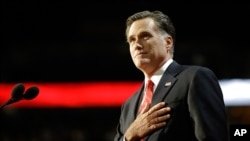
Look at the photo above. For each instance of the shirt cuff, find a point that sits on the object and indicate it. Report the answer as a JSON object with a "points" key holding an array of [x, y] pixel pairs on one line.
{"points": [[124, 139]]}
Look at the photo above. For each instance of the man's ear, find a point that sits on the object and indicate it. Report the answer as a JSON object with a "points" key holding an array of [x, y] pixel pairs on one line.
{"points": [[169, 42]]}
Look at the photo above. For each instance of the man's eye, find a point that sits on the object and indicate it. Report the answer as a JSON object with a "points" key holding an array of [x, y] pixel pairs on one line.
{"points": [[131, 40], [146, 37]]}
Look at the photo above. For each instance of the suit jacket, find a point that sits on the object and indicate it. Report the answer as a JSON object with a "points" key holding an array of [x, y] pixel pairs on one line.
{"points": [[195, 97]]}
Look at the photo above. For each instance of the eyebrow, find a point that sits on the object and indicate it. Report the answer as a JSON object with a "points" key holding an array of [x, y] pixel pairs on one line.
{"points": [[140, 33]]}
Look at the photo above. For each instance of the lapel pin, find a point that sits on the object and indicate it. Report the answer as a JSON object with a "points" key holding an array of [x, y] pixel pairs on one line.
{"points": [[168, 84]]}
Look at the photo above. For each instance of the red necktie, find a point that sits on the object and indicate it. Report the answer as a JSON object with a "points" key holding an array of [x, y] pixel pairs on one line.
{"points": [[147, 95]]}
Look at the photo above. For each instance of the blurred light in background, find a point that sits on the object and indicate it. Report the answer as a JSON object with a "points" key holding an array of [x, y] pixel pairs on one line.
{"points": [[108, 94], [236, 92]]}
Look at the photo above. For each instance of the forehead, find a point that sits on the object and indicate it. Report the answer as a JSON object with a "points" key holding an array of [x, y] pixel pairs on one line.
{"points": [[142, 25]]}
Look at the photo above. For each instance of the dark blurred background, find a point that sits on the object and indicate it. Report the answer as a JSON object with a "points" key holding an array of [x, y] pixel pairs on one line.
{"points": [[81, 41]]}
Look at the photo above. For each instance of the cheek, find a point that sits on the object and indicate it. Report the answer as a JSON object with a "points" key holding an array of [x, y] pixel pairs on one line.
{"points": [[159, 50], [130, 51], [162, 51]]}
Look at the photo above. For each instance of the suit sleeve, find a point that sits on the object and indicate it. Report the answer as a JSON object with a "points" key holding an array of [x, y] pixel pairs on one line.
{"points": [[207, 108], [119, 135]]}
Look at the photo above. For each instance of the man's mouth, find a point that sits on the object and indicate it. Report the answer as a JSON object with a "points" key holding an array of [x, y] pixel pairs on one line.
{"points": [[140, 53]]}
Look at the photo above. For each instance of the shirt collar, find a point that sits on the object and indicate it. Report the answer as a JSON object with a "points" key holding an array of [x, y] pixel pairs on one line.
{"points": [[158, 74]]}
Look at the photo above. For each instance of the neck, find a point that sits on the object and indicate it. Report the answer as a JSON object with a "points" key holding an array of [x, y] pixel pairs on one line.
{"points": [[149, 74]]}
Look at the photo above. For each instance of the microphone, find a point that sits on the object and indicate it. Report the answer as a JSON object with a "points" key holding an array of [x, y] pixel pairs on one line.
{"points": [[18, 94], [31, 93]]}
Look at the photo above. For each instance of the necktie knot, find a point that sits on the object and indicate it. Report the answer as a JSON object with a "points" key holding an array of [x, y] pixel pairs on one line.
{"points": [[150, 85]]}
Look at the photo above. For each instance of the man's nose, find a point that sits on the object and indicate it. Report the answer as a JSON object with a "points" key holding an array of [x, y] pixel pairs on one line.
{"points": [[138, 45]]}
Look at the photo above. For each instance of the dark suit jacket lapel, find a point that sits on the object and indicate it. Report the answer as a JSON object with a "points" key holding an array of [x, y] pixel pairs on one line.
{"points": [[133, 105], [166, 83]]}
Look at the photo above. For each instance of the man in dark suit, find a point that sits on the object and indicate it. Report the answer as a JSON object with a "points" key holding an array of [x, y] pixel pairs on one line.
{"points": [[187, 102]]}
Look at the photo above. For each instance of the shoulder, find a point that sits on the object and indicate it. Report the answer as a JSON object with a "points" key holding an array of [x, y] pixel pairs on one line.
{"points": [[197, 69], [176, 69], [199, 72]]}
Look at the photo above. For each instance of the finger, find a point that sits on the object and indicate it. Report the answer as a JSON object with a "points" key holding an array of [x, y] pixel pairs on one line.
{"points": [[160, 119], [163, 111], [157, 126], [159, 110], [157, 107]]}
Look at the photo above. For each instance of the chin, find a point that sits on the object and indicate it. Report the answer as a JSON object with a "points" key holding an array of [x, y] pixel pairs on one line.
{"points": [[142, 63]]}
